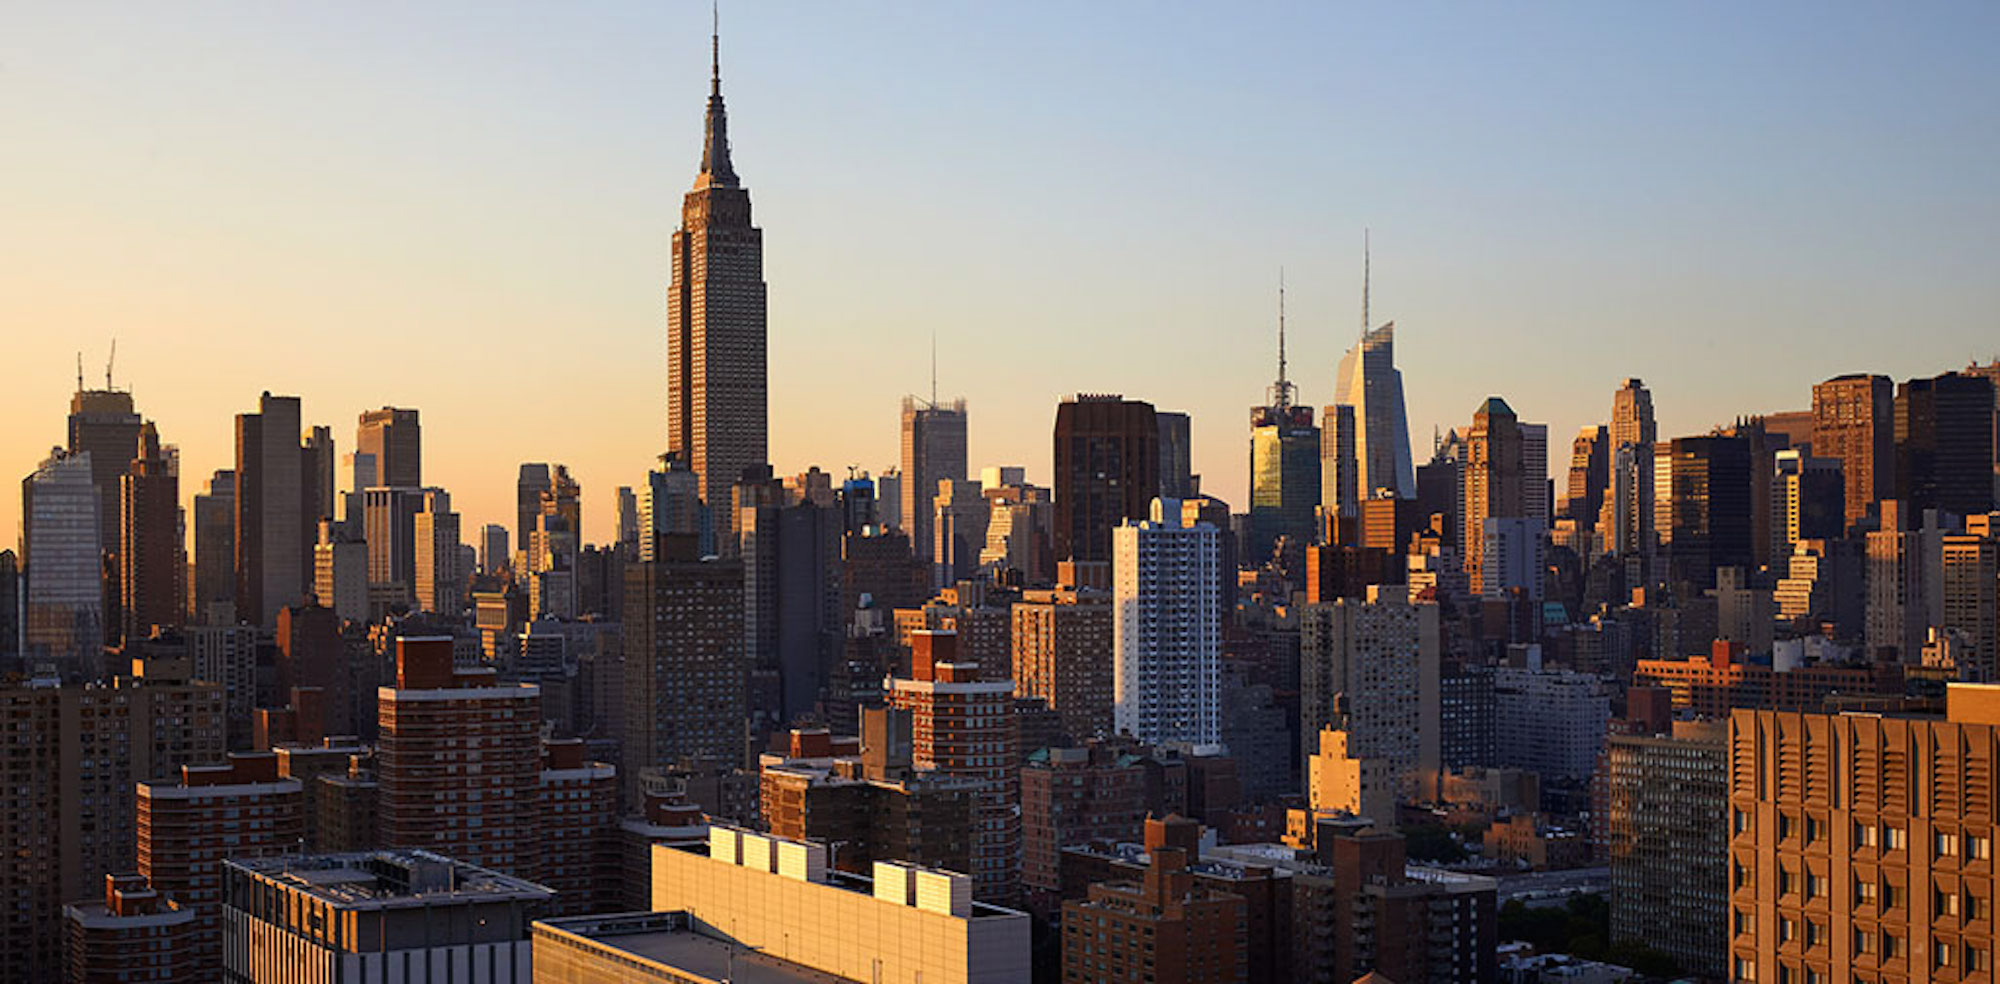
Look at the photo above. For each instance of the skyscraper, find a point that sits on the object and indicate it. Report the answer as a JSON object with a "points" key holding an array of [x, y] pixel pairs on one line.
{"points": [[1632, 415], [1107, 471], [103, 423], [1492, 479], [273, 537], [1371, 669], [1284, 468], [1589, 471], [1703, 505], [1339, 483], [1369, 382], [215, 552], [1177, 478], [933, 449], [1166, 627], [151, 558], [717, 407], [528, 489], [395, 439], [1853, 420], [62, 618], [686, 674], [1944, 444]]}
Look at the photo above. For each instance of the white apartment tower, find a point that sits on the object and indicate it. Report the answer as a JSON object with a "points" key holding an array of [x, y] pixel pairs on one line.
{"points": [[1167, 628]]}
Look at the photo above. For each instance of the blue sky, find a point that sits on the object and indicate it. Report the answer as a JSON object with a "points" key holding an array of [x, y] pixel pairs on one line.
{"points": [[466, 208]]}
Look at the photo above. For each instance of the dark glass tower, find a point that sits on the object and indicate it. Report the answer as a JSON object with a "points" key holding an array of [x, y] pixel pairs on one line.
{"points": [[1944, 444]]}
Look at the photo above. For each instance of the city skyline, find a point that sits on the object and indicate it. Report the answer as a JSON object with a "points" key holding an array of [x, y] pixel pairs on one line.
{"points": [[201, 202]]}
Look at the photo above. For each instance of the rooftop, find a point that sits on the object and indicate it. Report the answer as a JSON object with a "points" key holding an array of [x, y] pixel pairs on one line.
{"points": [[668, 941], [389, 879]]}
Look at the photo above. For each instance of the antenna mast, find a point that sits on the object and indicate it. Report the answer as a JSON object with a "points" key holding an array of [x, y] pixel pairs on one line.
{"points": [[79, 371], [108, 360], [1281, 391], [934, 402]]}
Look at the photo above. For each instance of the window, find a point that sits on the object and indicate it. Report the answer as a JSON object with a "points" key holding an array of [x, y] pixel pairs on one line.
{"points": [[1978, 848], [1897, 838], [1978, 959], [1978, 907], [1864, 834], [1892, 896], [1864, 891], [1787, 931], [1945, 903], [1941, 955], [1784, 833], [1743, 924], [1944, 844], [1815, 886], [1784, 881], [1814, 830], [1892, 946], [1864, 941], [1746, 970], [1815, 933], [1741, 820]]}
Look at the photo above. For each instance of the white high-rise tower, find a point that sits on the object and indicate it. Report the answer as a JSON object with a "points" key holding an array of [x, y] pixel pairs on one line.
{"points": [[1167, 628], [1369, 382]]}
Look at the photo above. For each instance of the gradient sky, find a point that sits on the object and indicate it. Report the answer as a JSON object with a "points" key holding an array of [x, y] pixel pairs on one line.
{"points": [[466, 208]]}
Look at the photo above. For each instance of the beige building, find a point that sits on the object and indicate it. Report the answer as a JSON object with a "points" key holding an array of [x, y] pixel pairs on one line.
{"points": [[1337, 780], [786, 910], [1861, 844]]}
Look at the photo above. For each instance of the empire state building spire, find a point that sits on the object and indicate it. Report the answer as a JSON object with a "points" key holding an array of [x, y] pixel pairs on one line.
{"points": [[716, 170]]}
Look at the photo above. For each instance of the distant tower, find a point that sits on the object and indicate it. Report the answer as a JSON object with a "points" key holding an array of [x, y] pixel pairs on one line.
{"points": [[1284, 465], [395, 438], [933, 449], [1369, 382], [717, 404]]}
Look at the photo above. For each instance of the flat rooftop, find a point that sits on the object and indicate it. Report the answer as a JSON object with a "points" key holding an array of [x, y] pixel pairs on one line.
{"points": [[389, 879], [668, 939]]}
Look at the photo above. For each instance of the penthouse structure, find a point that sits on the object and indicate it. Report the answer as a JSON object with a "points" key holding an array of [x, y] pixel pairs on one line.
{"points": [[359, 918]]}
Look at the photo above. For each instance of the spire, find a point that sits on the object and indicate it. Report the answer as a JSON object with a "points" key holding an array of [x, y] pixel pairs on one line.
{"points": [[715, 168], [1364, 282], [1281, 391]]}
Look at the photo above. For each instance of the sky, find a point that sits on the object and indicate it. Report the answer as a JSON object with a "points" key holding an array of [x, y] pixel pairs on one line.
{"points": [[467, 208]]}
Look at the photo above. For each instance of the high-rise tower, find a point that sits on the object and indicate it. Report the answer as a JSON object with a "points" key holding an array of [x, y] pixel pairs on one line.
{"points": [[717, 404], [1369, 382], [1284, 466]]}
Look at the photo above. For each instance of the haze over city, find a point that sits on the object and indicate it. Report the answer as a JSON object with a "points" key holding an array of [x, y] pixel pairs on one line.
{"points": [[466, 208]]}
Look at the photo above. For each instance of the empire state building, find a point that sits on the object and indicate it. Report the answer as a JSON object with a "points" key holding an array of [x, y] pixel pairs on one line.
{"points": [[717, 398]]}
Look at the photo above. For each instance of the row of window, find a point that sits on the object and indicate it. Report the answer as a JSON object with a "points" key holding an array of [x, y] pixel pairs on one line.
{"points": [[1811, 830]]}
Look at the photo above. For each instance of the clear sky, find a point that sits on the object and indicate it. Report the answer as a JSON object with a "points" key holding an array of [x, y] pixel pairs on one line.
{"points": [[466, 208]]}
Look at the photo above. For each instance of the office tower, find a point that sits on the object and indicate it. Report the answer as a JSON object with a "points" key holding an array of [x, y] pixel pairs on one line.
{"points": [[628, 520], [152, 567], [686, 672], [1898, 580], [135, 934], [964, 726], [1589, 475], [528, 489], [316, 468], [1371, 668], [1166, 629], [792, 599], [1969, 565], [272, 532], [717, 407], [1020, 534], [1339, 470], [1665, 797], [395, 439], [1632, 415], [933, 450], [1626, 522], [375, 916], [187, 828], [1854, 421], [69, 756], [390, 516], [1825, 580], [1944, 444], [1177, 477], [959, 517], [1163, 928], [1107, 471], [1369, 381], [493, 552], [1549, 721], [340, 572], [1808, 502], [670, 505], [104, 424], [1284, 468], [1702, 505], [214, 589], [62, 612], [1536, 496], [1062, 654], [1861, 844], [438, 582], [439, 790], [868, 803], [1493, 477], [773, 906]]}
